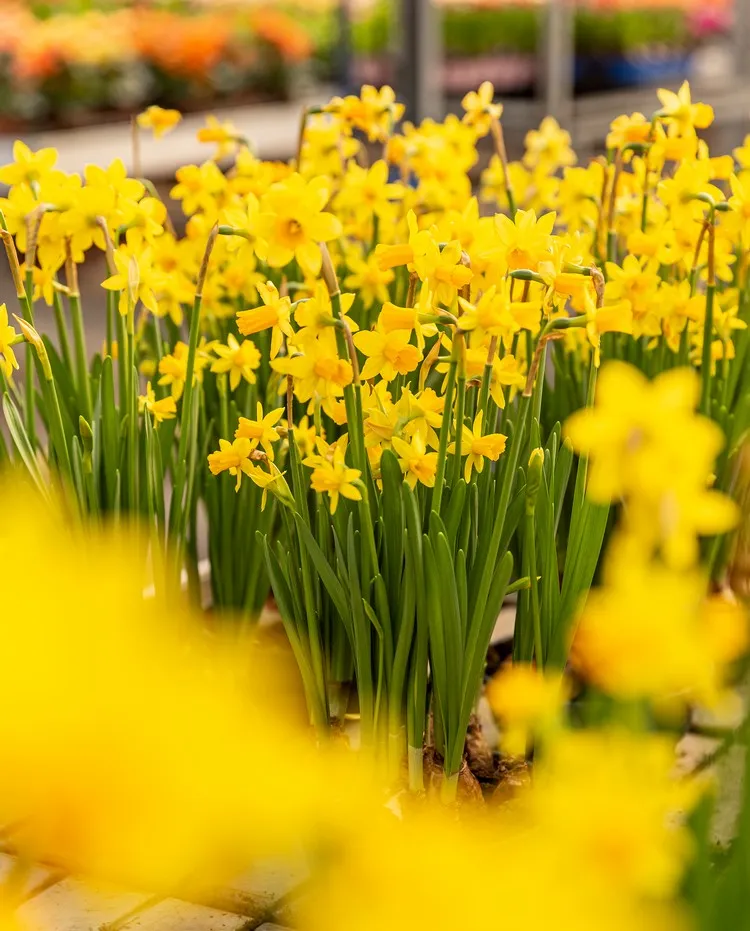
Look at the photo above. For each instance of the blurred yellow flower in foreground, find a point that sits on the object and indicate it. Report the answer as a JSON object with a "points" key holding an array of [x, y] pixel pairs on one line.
{"points": [[140, 745]]}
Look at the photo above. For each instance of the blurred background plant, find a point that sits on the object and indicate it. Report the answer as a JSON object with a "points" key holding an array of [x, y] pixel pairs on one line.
{"points": [[70, 61], [65, 62]]}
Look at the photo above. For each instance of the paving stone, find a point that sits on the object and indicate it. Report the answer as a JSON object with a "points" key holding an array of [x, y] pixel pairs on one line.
{"points": [[38, 877], [505, 624], [76, 905], [272, 879], [272, 128], [176, 915]]}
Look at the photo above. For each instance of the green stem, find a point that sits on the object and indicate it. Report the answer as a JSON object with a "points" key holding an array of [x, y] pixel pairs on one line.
{"points": [[178, 508], [530, 548], [62, 330], [81, 358], [445, 428], [708, 323], [460, 404]]}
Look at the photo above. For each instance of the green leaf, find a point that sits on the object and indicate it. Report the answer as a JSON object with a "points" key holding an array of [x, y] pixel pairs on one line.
{"points": [[454, 511], [110, 430], [21, 442], [327, 576], [392, 522], [475, 658]]}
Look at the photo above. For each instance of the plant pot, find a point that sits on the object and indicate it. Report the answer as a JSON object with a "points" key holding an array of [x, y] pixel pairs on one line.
{"points": [[595, 73]]}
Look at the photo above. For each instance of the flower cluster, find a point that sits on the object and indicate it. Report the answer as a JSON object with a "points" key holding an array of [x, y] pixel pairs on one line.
{"points": [[390, 403]]}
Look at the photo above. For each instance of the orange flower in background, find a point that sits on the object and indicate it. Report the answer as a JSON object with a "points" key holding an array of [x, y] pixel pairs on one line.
{"points": [[280, 30]]}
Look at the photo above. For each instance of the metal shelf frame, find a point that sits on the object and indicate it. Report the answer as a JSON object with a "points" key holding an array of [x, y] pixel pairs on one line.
{"points": [[586, 117]]}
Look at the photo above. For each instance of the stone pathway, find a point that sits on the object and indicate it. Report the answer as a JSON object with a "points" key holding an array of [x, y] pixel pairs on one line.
{"points": [[55, 902], [272, 129]]}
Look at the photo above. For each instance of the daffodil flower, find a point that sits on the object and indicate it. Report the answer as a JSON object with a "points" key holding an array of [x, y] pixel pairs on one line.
{"points": [[477, 446], [260, 432]]}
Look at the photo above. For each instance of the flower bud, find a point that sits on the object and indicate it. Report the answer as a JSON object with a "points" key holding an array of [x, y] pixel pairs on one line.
{"points": [[534, 478], [32, 336]]}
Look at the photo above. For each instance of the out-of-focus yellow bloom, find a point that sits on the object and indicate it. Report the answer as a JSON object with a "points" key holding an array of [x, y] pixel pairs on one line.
{"points": [[367, 279], [159, 120], [630, 842], [8, 337], [173, 367], [225, 135], [67, 776], [480, 110], [645, 443], [548, 148], [525, 240], [28, 167], [628, 414], [526, 703], [650, 632], [628, 129], [159, 408], [239, 359], [373, 112], [680, 109]]}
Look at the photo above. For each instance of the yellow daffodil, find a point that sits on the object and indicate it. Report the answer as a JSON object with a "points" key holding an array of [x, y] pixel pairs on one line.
{"points": [[173, 367], [159, 120], [374, 112], [136, 279], [8, 337], [526, 703], [477, 446], [334, 477], [317, 371], [548, 148], [240, 360], [232, 457], [480, 110], [201, 189], [292, 222], [627, 129], [260, 432], [28, 167], [525, 240], [225, 135], [367, 279], [616, 317], [159, 408], [273, 315], [417, 464], [314, 315], [680, 108]]}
